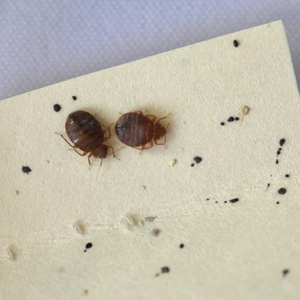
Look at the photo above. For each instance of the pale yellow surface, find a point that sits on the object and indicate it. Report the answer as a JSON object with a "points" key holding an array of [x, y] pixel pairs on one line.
{"points": [[232, 250]]}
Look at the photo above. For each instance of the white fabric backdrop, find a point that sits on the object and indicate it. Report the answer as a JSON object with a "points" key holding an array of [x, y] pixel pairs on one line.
{"points": [[47, 41]]}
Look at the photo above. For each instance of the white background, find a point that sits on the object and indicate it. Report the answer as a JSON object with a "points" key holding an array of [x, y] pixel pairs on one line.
{"points": [[43, 42]]}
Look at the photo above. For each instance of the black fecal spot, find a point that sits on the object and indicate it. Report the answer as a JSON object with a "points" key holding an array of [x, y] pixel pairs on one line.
{"points": [[74, 98], [225, 201], [198, 159], [165, 269], [287, 175], [222, 123], [56, 107], [236, 118], [26, 170], [235, 43], [234, 200], [207, 199], [282, 191], [230, 119], [192, 165], [277, 161], [268, 186], [277, 202], [216, 201], [281, 142], [279, 148], [88, 246], [181, 246], [285, 272], [278, 152]]}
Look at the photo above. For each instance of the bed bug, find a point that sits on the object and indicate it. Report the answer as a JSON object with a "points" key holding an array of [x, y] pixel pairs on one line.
{"points": [[87, 135], [137, 130]]}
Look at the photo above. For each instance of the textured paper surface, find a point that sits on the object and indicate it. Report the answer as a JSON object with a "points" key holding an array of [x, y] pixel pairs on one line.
{"points": [[232, 250]]}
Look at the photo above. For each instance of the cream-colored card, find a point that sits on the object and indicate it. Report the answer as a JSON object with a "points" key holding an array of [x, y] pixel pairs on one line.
{"points": [[226, 227]]}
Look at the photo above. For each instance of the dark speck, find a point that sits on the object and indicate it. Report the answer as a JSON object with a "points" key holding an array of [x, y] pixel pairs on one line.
{"points": [[236, 118], [88, 246], [285, 272], [231, 119], [277, 202], [222, 123], [282, 191], [181, 246], [234, 200], [56, 107], [278, 152], [26, 170], [281, 142], [225, 201], [74, 98], [198, 159], [235, 43], [277, 161], [207, 199], [280, 149], [165, 269], [192, 165], [216, 201], [287, 175]]}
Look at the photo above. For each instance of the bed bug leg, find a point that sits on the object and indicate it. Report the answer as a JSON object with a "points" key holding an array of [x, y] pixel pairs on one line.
{"points": [[99, 168], [73, 147], [90, 160]]}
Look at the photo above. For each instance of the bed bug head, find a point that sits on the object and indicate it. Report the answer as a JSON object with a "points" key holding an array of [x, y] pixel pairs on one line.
{"points": [[159, 131], [100, 152]]}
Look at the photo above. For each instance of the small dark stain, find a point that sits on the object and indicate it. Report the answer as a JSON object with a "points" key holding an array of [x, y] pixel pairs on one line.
{"points": [[56, 107], [198, 159], [165, 269], [157, 274], [235, 43], [156, 232], [74, 98], [88, 246], [222, 123], [278, 152], [207, 199], [230, 119], [236, 118], [268, 185], [225, 201], [234, 200], [287, 175], [285, 272], [277, 202], [192, 165], [280, 148], [26, 169], [282, 191], [277, 161], [216, 201], [281, 142], [181, 246]]}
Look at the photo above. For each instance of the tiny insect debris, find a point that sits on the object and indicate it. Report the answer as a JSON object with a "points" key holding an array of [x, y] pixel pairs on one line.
{"points": [[150, 219], [78, 227], [131, 222], [165, 269], [10, 254], [172, 163], [149, 130]]}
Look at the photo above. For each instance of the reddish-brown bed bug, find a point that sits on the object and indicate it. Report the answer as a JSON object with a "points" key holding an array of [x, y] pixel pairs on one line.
{"points": [[137, 130], [87, 135]]}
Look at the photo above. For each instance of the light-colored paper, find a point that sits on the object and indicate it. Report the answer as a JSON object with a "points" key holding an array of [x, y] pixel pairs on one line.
{"points": [[231, 250]]}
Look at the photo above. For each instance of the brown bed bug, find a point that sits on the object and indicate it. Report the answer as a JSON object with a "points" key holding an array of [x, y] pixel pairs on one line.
{"points": [[87, 135], [137, 130]]}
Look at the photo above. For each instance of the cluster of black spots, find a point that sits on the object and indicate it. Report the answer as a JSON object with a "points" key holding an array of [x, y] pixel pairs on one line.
{"points": [[197, 160], [88, 246], [26, 169], [229, 120], [235, 43], [281, 143], [56, 107], [285, 272]]}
